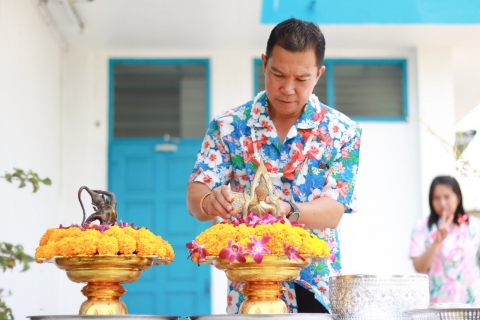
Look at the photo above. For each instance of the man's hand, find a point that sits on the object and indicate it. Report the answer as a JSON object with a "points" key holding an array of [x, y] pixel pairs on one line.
{"points": [[218, 202]]}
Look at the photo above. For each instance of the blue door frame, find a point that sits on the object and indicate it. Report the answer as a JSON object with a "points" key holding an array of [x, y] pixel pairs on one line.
{"points": [[150, 187]]}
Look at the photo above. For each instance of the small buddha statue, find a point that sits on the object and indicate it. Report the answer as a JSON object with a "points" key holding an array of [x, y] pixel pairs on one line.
{"points": [[262, 205], [262, 197]]}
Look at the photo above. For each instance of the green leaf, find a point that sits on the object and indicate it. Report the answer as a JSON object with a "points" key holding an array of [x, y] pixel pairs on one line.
{"points": [[34, 184], [8, 177], [24, 178]]}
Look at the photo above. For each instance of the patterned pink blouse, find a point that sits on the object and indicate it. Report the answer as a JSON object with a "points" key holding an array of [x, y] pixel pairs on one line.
{"points": [[454, 274]]}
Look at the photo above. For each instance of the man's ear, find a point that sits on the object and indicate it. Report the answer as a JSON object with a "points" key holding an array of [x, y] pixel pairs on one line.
{"points": [[321, 70], [264, 62]]}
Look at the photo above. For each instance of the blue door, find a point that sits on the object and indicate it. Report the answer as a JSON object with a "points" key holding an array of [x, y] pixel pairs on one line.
{"points": [[158, 112]]}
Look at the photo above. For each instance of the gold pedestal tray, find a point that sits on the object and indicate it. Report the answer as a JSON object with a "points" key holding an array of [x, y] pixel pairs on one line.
{"points": [[262, 289], [103, 275]]}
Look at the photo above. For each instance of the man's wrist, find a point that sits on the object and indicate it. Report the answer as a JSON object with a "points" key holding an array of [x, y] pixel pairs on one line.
{"points": [[201, 204], [294, 213]]}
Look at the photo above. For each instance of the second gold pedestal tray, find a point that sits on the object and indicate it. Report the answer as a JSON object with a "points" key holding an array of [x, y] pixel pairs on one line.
{"points": [[262, 289]]}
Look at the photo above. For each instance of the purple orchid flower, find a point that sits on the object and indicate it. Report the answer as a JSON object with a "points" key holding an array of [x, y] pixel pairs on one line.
{"points": [[292, 252], [193, 247], [257, 248], [233, 252], [296, 224], [236, 222], [252, 219], [333, 257], [123, 224], [267, 218]]}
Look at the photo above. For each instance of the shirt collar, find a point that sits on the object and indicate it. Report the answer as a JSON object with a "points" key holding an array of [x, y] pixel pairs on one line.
{"points": [[259, 113]]}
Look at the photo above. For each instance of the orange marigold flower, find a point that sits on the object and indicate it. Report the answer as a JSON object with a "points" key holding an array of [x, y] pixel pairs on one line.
{"points": [[217, 237], [107, 245], [145, 247], [67, 247], [131, 232], [46, 252], [76, 240], [46, 236], [169, 253], [115, 231], [126, 244], [89, 243], [92, 232], [59, 234]]}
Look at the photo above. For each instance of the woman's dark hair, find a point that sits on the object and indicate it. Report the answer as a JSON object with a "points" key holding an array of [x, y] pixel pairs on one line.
{"points": [[297, 36], [449, 181]]}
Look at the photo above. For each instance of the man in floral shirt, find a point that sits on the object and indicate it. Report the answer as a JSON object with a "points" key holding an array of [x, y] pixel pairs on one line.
{"points": [[310, 150]]}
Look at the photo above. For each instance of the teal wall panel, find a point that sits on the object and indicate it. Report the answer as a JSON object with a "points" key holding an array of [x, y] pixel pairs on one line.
{"points": [[373, 11]]}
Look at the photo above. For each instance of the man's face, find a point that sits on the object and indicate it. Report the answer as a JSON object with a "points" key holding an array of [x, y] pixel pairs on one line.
{"points": [[289, 80]]}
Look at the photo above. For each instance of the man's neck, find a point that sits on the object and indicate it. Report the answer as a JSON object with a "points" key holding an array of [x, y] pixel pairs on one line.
{"points": [[283, 122]]}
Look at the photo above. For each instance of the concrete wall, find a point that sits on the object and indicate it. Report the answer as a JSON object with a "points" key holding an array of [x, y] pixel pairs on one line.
{"points": [[53, 118], [466, 64], [30, 138]]}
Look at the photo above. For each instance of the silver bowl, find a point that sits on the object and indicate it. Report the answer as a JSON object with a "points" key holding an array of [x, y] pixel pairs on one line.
{"points": [[377, 297]]}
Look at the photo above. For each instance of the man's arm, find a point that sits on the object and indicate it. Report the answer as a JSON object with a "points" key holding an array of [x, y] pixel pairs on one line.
{"points": [[318, 214]]}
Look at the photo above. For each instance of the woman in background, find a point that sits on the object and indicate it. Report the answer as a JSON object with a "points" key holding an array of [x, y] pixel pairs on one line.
{"points": [[445, 246]]}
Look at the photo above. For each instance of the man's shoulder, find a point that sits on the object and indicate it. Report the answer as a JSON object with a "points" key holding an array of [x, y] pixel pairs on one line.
{"points": [[334, 114], [237, 113]]}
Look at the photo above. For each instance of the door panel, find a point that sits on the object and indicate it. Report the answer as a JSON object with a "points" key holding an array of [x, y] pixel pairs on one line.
{"points": [[149, 100], [150, 187]]}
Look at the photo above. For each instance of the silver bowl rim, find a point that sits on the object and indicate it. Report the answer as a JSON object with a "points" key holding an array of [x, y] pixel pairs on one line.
{"points": [[383, 277], [441, 310]]}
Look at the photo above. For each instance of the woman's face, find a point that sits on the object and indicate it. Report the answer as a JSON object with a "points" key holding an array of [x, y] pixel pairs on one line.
{"points": [[444, 201]]}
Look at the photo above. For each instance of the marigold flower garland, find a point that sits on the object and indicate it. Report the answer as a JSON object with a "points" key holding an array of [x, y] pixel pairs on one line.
{"points": [[94, 239], [256, 236]]}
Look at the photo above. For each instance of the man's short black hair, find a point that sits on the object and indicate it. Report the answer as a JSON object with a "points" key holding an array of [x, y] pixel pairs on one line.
{"points": [[296, 35]]}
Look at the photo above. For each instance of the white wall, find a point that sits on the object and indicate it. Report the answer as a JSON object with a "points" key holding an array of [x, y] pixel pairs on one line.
{"points": [[437, 114], [30, 133], [375, 239], [466, 66]]}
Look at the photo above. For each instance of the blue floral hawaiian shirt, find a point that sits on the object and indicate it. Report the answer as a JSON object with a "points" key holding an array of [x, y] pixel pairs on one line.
{"points": [[319, 158]]}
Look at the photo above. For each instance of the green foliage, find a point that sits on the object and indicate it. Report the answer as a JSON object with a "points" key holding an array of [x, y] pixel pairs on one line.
{"points": [[26, 177], [5, 312], [9, 255]]}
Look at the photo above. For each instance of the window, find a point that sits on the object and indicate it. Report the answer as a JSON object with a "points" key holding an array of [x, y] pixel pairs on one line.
{"points": [[155, 98], [362, 89]]}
